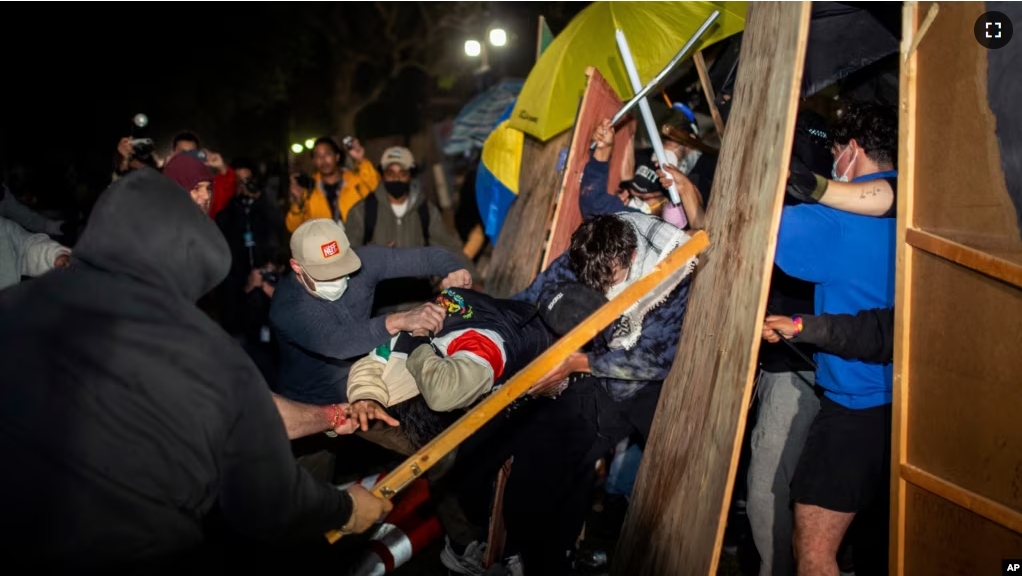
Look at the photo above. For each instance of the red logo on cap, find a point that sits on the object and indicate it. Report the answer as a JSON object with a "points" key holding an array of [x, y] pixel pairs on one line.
{"points": [[330, 249]]}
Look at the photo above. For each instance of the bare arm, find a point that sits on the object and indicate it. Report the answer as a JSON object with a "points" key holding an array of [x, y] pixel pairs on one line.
{"points": [[305, 419], [872, 198]]}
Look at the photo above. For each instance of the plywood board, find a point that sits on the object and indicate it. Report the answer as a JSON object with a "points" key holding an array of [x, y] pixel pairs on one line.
{"points": [[942, 538], [598, 103], [957, 481], [676, 520], [516, 257], [965, 380], [958, 159]]}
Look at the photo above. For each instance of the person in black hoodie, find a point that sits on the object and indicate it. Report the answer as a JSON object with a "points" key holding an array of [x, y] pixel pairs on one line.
{"points": [[130, 414]]}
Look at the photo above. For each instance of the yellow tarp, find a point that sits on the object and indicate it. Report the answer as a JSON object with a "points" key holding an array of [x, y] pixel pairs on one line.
{"points": [[655, 32]]}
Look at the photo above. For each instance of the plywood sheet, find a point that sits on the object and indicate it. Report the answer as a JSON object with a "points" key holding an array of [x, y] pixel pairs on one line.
{"points": [[942, 538], [598, 102], [959, 181], [964, 405], [676, 520], [516, 257]]}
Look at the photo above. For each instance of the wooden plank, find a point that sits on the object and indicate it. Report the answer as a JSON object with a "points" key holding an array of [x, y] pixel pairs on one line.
{"points": [[516, 256], [903, 288], [978, 260], [598, 102], [687, 139], [985, 507], [495, 403], [711, 99], [943, 539], [676, 520]]}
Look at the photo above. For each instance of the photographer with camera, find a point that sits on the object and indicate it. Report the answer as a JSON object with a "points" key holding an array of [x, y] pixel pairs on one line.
{"points": [[251, 226], [334, 190]]}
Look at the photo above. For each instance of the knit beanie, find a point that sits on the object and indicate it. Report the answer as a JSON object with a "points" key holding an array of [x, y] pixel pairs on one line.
{"points": [[187, 171]]}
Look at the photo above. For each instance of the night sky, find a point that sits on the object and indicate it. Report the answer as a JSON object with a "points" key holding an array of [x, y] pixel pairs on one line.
{"points": [[75, 74]]}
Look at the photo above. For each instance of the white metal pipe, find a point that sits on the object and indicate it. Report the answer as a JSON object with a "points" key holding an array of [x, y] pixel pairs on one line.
{"points": [[647, 114]]}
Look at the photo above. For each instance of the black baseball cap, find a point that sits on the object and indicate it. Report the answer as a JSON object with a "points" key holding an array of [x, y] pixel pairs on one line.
{"points": [[645, 180], [565, 305]]}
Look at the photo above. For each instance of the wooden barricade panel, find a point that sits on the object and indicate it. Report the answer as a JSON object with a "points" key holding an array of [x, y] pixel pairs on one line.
{"points": [[599, 101], [517, 254], [957, 447], [676, 519]]}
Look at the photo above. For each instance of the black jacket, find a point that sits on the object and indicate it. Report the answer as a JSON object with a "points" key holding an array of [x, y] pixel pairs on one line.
{"points": [[525, 336], [867, 336], [126, 413]]}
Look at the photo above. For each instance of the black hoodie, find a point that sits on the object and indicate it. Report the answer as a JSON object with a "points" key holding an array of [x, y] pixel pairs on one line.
{"points": [[126, 413]]}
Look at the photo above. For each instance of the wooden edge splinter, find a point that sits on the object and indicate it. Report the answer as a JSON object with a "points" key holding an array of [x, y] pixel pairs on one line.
{"points": [[427, 456]]}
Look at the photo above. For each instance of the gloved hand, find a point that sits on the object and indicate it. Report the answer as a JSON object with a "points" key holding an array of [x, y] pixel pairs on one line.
{"points": [[406, 343], [803, 185]]}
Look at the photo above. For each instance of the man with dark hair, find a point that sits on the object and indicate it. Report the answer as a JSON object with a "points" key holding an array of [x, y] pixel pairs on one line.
{"points": [[844, 467], [336, 189], [610, 390], [185, 141]]}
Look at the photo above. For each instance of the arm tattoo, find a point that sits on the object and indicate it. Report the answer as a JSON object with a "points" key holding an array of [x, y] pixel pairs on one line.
{"points": [[869, 192]]}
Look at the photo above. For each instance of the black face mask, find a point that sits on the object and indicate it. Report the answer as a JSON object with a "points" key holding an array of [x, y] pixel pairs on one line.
{"points": [[397, 189]]}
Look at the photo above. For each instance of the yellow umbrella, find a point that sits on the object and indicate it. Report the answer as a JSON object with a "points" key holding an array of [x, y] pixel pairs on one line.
{"points": [[655, 31]]}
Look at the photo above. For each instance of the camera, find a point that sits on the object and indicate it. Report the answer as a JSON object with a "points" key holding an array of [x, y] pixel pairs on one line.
{"points": [[142, 147], [348, 142], [269, 276], [251, 185], [305, 181]]}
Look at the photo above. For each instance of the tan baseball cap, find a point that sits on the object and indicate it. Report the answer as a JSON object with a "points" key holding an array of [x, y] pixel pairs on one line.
{"points": [[321, 247], [398, 155]]}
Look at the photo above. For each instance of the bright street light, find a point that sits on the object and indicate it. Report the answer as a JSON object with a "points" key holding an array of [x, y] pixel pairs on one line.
{"points": [[473, 48], [309, 143], [296, 148], [498, 37]]}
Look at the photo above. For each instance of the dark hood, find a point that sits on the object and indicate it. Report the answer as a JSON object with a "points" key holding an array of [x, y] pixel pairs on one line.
{"points": [[145, 227]]}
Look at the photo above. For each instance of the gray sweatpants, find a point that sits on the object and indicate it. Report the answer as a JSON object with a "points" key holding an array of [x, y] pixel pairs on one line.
{"points": [[787, 406]]}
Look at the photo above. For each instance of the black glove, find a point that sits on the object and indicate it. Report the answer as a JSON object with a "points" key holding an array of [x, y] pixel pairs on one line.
{"points": [[803, 185], [406, 343]]}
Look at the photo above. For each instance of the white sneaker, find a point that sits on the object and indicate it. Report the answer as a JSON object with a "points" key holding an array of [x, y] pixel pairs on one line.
{"points": [[471, 562]]}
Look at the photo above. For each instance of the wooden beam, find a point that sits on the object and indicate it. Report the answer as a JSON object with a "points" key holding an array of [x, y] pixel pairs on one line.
{"points": [[903, 289], [982, 262], [711, 99], [676, 519], [519, 384], [978, 504]]}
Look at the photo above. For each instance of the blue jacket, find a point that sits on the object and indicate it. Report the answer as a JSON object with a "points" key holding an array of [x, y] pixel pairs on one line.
{"points": [[320, 340], [625, 372], [850, 258], [592, 193]]}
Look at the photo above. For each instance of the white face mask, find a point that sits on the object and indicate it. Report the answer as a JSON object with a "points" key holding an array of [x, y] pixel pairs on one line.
{"points": [[640, 206], [833, 171], [332, 290]]}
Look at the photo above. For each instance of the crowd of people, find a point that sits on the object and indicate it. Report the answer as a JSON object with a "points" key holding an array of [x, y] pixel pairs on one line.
{"points": [[202, 354]]}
